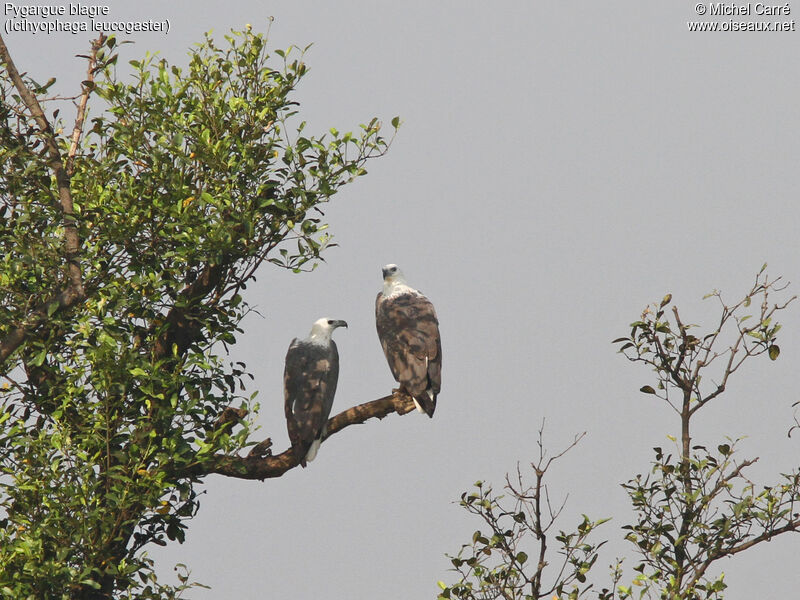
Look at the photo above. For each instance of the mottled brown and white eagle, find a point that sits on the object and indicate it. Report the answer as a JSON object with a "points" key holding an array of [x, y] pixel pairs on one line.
{"points": [[409, 333], [309, 384]]}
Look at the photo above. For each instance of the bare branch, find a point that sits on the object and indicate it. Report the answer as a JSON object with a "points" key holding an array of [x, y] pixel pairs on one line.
{"points": [[575, 441], [261, 449], [77, 131], [257, 467]]}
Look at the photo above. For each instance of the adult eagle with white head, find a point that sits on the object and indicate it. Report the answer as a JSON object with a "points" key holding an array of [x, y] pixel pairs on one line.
{"points": [[409, 334], [309, 384]]}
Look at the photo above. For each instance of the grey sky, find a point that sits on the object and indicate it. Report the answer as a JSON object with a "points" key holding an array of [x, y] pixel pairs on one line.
{"points": [[560, 166]]}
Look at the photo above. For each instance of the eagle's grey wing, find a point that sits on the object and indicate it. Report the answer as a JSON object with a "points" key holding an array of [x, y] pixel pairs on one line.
{"points": [[309, 383]]}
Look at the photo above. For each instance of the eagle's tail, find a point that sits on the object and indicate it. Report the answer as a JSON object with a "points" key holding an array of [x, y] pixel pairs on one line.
{"points": [[312, 451], [300, 454], [426, 403]]}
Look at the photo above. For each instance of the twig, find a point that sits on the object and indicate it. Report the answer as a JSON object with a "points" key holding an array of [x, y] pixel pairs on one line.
{"points": [[87, 90]]}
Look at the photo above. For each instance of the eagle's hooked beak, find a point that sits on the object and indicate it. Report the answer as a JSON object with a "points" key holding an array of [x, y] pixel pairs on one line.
{"points": [[339, 323]]}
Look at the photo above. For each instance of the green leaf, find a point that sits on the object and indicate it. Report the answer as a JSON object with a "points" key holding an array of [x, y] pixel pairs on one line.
{"points": [[647, 390], [39, 358], [774, 351], [91, 583]]}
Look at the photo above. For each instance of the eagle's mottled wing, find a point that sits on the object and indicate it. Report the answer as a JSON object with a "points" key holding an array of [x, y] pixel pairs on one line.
{"points": [[409, 334], [309, 383]]}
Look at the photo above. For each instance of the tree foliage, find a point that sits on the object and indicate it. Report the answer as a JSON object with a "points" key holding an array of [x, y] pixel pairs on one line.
{"points": [[510, 559], [693, 508], [127, 245], [697, 506]]}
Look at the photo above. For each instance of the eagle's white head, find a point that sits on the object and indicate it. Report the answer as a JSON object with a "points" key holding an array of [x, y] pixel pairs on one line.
{"points": [[394, 282], [323, 328]]}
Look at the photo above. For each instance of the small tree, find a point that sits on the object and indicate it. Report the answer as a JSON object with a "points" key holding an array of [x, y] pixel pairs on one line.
{"points": [[695, 507], [510, 560], [127, 243]]}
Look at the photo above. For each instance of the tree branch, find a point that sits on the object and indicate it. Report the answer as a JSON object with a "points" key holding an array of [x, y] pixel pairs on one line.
{"points": [[180, 326], [255, 467], [67, 298], [74, 291], [764, 537], [77, 131]]}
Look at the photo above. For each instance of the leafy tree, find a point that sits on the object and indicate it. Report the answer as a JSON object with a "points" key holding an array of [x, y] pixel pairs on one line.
{"points": [[127, 244], [695, 506]]}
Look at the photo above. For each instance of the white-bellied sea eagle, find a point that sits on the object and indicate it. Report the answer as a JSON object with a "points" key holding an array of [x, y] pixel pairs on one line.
{"points": [[409, 333], [309, 384]]}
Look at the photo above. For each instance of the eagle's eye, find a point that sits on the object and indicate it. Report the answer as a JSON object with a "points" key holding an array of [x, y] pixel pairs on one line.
{"points": [[330, 322]]}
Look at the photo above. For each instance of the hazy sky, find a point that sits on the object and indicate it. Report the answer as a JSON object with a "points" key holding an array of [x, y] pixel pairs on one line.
{"points": [[560, 165]]}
